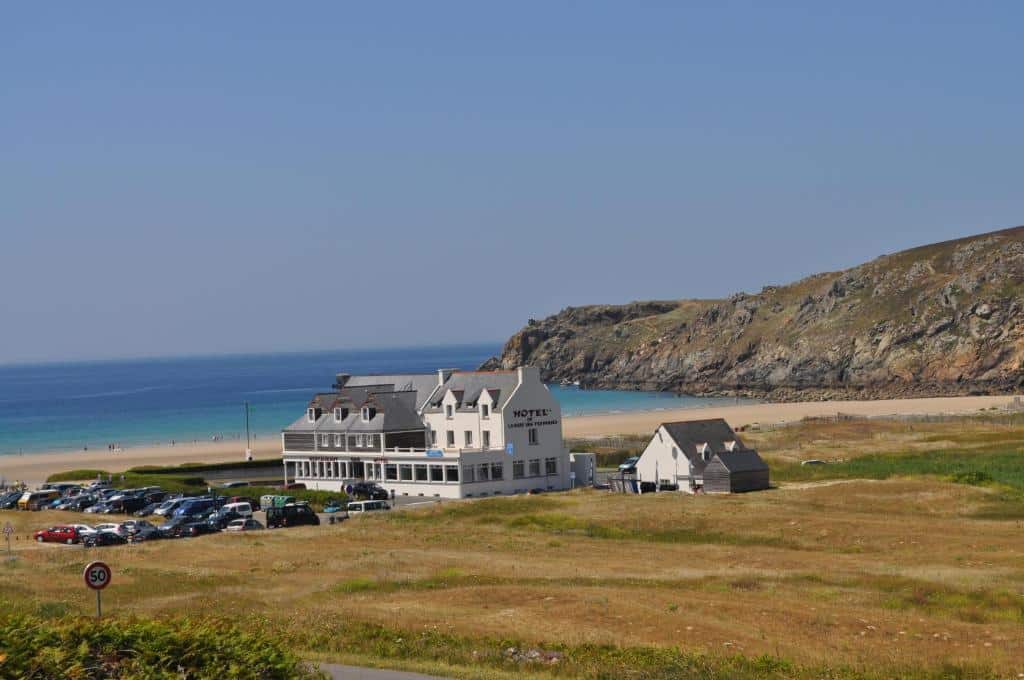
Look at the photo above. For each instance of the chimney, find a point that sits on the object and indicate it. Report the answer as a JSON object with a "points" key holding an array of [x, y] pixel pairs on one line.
{"points": [[340, 379], [528, 373], [443, 374]]}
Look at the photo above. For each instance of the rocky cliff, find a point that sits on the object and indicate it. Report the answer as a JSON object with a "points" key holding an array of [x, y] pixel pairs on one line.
{"points": [[941, 319]]}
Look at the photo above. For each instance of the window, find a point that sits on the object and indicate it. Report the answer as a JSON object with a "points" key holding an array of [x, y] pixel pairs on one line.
{"points": [[517, 469], [483, 472], [324, 441], [468, 436], [421, 473], [311, 415], [391, 471], [487, 439], [368, 413], [448, 410], [351, 441], [485, 411], [534, 439], [337, 441], [451, 473], [535, 467], [451, 437], [467, 473], [405, 473], [360, 441], [436, 473], [433, 437], [497, 471], [373, 440], [551, 466]]}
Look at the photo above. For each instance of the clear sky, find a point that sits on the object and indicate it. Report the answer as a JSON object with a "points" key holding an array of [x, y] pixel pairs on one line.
{"points": [[185, 178]]}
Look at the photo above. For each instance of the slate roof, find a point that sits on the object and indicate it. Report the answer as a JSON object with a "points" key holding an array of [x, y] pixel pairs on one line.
{"points": [[741, 461], [423, 384], [468, 386], [396, 412], [689, 435]]}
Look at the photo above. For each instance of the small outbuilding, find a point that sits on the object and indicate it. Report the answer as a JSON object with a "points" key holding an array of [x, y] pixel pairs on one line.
{"points": [[700, 455], [735, 472]]}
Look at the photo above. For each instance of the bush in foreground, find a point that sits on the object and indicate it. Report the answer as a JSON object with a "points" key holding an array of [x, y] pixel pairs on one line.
{"points": [[189, 649]]}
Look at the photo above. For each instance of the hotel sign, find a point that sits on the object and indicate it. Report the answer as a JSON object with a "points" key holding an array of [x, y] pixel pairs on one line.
{"points": [[533, 417]]}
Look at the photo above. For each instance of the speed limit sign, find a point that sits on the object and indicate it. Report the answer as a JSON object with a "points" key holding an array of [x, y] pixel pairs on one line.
{"points": [[97, 575]]}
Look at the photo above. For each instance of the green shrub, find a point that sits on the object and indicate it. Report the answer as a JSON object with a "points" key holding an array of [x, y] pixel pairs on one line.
{"points": [[87, 649]]}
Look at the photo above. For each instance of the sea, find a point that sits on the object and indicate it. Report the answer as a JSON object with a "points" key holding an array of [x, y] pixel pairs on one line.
{"points": [[95, 404]]}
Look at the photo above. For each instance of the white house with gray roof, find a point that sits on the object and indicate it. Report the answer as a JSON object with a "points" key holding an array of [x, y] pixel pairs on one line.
{"points": [[701, 455], [450, 434]]}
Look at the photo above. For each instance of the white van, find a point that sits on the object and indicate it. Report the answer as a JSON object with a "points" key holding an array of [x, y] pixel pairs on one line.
{"points": [[357, 507], [243, 509]]}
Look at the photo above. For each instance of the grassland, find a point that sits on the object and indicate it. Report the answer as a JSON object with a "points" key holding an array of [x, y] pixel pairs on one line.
{"points": [[888, 562]]}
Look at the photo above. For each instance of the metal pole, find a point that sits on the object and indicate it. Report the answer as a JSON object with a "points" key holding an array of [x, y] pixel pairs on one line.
{"points": [[99, 609], [247, 442]]}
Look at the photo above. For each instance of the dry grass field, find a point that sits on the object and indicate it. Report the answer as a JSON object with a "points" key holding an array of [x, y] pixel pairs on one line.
{"points": [[817, 578]]}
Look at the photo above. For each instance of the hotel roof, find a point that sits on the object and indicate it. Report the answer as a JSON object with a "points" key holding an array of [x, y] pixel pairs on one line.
{"points": [[468, 386]]}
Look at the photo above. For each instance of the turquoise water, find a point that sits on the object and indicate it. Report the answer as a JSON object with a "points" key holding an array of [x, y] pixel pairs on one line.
{"points": [[69, 406]]}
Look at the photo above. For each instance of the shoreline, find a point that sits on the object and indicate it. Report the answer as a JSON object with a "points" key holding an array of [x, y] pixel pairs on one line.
{"points": [[33, 468]]}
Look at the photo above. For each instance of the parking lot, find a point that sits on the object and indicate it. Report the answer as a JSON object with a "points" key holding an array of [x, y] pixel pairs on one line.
{"points": [[99, 515]]}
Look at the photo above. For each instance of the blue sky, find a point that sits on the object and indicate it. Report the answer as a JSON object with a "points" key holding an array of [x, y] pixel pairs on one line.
{"points": [[218, 177]]}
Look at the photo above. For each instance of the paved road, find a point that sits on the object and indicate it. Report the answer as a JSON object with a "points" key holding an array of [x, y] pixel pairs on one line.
{"points": [[339, 672]]}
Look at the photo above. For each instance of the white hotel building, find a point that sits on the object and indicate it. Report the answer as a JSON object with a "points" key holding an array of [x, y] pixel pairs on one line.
{"points": [[453, 434]]}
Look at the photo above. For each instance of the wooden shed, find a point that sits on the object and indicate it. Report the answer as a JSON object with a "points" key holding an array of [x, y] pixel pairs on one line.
{"points": [[735, 472]]}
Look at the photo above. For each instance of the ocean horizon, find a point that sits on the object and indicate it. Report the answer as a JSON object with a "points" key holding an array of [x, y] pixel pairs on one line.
{"points": [[72, 405]]}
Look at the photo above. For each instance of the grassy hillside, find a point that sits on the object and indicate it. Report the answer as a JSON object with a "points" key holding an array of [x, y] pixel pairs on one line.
{"points": [[900, 558], [940, 319]]}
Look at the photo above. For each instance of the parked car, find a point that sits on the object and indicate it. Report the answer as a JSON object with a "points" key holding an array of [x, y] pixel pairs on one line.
{"points": [[219, 519], [242, 509], [109, 527], [36, 500], [359, 507], [292, 514], [104, 538], [146, 511], [137, 528], [271, 499], [9, 500], [334, 505], [243, 525], [179, 526], [167, 508], [255, 504], [629, 465], [370, 492], [234, 485], [81, 503], [62, 533], [84, 530], [195, 506]]}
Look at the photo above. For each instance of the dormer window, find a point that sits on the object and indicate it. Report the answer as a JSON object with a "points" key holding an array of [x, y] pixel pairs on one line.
{"points": [[704, 450], [485, 411], [337, 415], [368, 413], [448, 410], [730, 446], [311, 415]]}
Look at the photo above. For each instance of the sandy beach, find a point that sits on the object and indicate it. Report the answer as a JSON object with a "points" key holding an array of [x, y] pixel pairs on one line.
{"points": [[33, 468]]}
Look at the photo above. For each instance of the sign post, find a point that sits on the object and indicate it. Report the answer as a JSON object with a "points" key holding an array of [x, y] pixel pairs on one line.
{"points": [[97, 577], [8, 530]]}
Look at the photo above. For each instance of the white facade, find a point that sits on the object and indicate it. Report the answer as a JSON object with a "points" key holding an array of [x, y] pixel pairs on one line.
{"points": [[662, 463], [484, 434]]}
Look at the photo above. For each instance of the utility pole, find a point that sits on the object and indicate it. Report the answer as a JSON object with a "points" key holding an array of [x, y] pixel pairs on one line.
{"points": [[248, 440]]}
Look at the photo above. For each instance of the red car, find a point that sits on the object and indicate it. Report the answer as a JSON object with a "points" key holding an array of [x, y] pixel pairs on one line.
{"points": [[58, 534]]}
